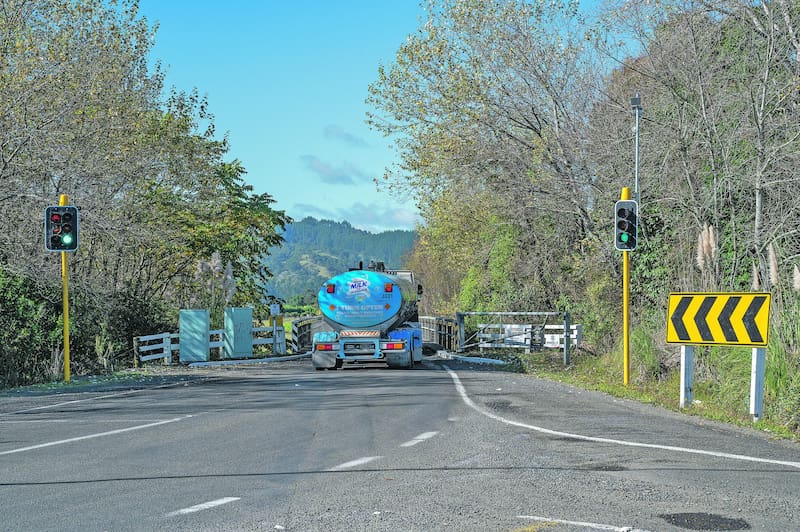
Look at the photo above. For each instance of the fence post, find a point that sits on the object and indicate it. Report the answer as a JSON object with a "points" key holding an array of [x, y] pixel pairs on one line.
{"points": [[687, 375], [757, 382], [566, 338], [167, 347], [136, 352], [460, 325]]}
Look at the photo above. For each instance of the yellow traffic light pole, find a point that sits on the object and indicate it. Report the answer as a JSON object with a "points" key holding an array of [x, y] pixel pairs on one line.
{"points": [[626, 303], [62, 200]]}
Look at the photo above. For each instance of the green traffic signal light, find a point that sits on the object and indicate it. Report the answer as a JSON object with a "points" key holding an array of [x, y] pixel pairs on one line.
{"points": [[626, 225], [61, 228]]}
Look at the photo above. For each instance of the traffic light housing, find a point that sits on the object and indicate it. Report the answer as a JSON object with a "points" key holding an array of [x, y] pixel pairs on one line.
{"points": [[61, 228], [626, 225]]}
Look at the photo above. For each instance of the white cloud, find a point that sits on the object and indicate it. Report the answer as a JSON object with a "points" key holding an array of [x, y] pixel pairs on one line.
{"points": [[346, 174], [333, 132], [374, 217]]}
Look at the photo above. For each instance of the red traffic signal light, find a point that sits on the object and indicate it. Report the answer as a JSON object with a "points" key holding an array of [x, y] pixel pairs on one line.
{"points": [[61, 228]]}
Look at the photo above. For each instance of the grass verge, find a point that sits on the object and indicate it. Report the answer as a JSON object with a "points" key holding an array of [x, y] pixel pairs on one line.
{"points": [[604, 374]]}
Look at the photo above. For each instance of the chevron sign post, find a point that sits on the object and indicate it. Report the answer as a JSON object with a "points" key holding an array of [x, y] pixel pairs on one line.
{"points": [[726, 318], [720, 318]]}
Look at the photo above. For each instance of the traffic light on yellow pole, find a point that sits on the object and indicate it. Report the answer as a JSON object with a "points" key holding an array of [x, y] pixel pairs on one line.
{"points": [[626, 222], [61, 228], [61, 234]]}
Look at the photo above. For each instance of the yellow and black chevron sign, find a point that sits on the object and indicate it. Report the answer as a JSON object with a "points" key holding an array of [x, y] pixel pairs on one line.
{"points": [[726, 318]]}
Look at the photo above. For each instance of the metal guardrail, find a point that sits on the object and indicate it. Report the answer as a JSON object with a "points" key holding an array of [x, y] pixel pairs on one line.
{"points": [[440, 331], [303, 333], [531, 337], [505, 334]]}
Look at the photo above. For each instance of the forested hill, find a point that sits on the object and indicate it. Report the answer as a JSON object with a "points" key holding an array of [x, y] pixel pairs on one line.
{"points": [[317, 249]]}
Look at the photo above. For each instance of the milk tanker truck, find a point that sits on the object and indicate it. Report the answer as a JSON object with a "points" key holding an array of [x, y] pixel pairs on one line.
{"points": [[373, 316]]}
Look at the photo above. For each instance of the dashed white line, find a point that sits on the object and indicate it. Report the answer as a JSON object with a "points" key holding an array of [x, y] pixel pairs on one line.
{"points": [[355, 463], [97, 435], [203, 506], [595, 526], [463, 392], [419, 439]]}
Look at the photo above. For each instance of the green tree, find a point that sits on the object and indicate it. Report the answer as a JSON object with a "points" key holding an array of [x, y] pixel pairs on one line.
{"points": [[84, 115]]}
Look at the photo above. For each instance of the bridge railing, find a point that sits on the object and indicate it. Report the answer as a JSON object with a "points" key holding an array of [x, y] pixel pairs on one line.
{"points": [[154, 346], [162, 345], [505, 333], [440, 331], [303, 333]]}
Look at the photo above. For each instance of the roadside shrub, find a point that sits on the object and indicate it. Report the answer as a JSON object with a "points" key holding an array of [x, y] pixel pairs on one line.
{"points": [[101, 330], [30, 331]]}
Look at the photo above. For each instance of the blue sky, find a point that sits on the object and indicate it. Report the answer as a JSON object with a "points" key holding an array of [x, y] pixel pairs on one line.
{"points": [[287, 80]]}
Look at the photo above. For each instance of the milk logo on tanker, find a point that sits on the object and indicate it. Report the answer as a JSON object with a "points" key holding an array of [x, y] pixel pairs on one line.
{"points": [[358, 288]]}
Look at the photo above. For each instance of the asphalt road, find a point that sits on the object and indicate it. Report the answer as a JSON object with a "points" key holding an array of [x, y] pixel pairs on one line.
{"points": [[446, 446]]}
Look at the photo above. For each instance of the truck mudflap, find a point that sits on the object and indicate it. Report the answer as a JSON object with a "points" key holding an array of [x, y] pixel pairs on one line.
{"points": [[323, 354]]}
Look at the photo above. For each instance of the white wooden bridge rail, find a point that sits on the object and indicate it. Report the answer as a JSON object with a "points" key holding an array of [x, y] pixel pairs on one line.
{"points": [[161, 345]]}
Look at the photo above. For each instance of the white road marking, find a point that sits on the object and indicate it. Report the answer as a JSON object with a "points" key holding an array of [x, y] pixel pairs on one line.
{"points": [[8, 421], [95, 398], [355, 463], [204, 506], [463, 392], [97, 435], [419, 439], [55, 405], [595, 526]]}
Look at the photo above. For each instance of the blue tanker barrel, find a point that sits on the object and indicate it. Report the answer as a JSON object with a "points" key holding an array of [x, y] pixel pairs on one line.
{"points": [[361, 299]]}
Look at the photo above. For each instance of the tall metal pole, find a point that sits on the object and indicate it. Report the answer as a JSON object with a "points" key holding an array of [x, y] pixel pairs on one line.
{"points": [[62, 200], [636, 103], [626, 304]]}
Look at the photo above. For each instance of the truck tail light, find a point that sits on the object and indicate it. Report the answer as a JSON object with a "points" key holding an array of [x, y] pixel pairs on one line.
{"points": [[394, 346], [388, 287], [330, 288], [324, 347]]}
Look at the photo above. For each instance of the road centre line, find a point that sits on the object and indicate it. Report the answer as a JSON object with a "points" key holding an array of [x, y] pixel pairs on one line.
{"points": [[463, 392], [355, 463], [419, 439], [595, 526], [203, 506], [97, 435]]}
